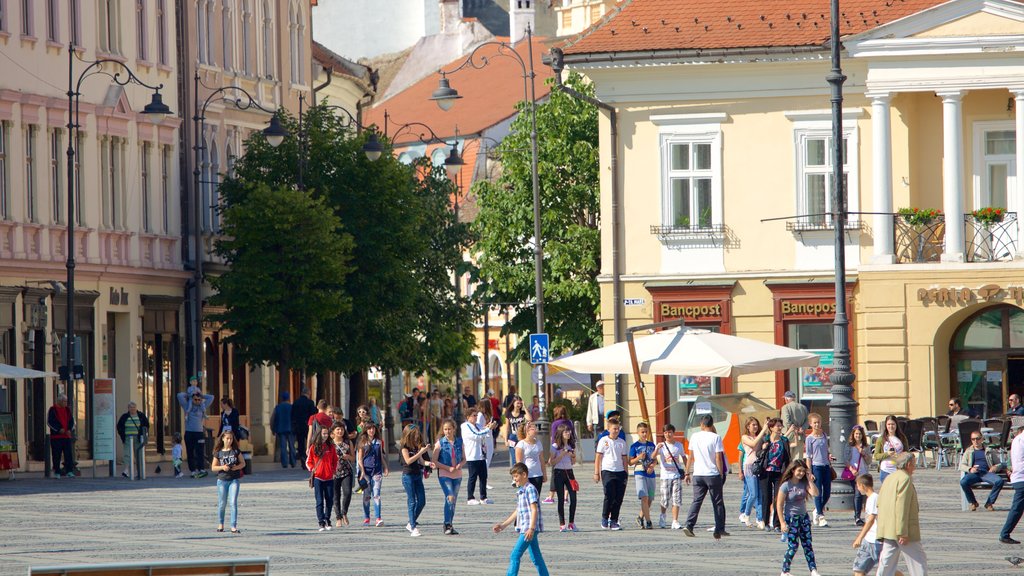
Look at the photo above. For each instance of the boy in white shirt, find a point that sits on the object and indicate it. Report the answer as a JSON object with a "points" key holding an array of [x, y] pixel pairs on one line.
{"points": [[610, 469], [868, 547], [673, 461]]}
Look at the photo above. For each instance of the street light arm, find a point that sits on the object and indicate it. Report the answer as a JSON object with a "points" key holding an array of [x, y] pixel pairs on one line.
{"points": [[238, 102], [94, 68], [474, 60]]}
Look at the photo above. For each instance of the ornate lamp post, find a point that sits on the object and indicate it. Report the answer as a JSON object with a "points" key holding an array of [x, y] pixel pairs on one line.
{"points": [[275, 134], [445, 96]]}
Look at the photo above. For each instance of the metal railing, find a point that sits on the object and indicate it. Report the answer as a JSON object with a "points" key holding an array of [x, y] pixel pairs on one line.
{"points": [[925, 242], [917, 243], [990, 242]]}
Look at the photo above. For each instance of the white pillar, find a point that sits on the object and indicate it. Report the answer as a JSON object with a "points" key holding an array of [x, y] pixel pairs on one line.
{"points": [[1018, 189], [881, 189], [953, 175]]}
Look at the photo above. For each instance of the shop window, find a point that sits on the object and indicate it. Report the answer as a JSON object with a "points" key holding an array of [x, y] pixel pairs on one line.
{"points": [[985, 331], [811, 385]]}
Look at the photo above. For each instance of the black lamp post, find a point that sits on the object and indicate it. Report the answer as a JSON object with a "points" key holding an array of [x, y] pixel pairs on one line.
{"points": [[842, 407], [275, 134], [72, 369], [445, 96]]}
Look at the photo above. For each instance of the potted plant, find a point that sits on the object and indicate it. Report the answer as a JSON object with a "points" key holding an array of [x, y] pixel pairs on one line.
{"points": [[989, 216], [919, 216]]}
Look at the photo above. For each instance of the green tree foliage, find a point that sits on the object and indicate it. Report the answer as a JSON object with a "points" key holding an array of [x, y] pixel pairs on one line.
{"points": [[285, 284], [567, 135], [404, 313]]}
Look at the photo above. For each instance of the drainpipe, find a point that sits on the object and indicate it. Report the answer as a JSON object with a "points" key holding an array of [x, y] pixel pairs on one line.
{"points": [[557, 64], [330, 76]]}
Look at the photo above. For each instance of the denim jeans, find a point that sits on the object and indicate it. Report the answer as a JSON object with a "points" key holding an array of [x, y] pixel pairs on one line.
{"points": [[752, 488], [415, 494], [517, 555], [324, 492], [450, 487], [511, 456], [227, 495], [372, 492], [882, 474], [823, 480], [286, 443], [1016, 510], [971, 479]]}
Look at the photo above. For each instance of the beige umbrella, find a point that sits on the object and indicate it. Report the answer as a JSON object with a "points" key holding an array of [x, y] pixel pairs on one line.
{"points": [[18, 373]]}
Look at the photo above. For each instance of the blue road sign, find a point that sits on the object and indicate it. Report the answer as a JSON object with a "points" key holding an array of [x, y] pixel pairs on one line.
{"points": [[539, 349]]}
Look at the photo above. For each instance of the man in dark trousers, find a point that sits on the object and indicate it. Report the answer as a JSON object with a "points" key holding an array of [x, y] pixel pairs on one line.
{"points": [[61, 422], [302, 409]]}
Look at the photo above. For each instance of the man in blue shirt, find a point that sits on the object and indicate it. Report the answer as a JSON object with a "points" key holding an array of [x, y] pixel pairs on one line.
{"points": [[281, 426], [977, 467], [195, 403]]}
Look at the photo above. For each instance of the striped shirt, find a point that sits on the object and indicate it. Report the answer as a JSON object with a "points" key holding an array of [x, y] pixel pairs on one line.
{"points": [[131, 426], [526, 496]]}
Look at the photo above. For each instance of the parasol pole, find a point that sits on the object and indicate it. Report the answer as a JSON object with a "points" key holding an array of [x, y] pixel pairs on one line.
{"points": [[636, 365]]}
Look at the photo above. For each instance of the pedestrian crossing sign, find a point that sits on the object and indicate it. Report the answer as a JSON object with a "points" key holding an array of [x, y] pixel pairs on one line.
{"points": [[539, 349]]}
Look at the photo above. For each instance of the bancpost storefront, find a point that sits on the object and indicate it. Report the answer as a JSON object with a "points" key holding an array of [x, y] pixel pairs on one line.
{"points": [[930, 334]]}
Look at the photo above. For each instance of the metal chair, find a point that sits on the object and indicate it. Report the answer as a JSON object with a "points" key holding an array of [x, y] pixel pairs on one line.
{"points": [[966, 428], [930, 440], [1002, 446], [943, 423], [914, 430]]}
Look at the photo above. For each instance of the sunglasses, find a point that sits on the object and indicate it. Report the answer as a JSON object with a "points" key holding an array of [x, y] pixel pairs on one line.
{"points": [[975, 439]]}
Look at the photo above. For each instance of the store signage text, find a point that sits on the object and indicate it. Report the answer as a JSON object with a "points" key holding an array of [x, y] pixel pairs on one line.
{"points": [[701, 311], [954, 296], [821, 308]]}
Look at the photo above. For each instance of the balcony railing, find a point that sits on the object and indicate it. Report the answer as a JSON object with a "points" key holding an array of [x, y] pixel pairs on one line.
{"points": [[917, 243], [990, 242]]}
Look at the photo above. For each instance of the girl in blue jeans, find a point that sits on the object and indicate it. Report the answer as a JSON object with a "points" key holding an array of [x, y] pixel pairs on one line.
{"points": [[819, 459], [751, 441], [373, 469], [228, 463], [450, 459], [414, 460]]}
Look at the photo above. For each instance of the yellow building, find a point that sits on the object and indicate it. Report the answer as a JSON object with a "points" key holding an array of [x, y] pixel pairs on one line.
{"points": [[724, 124]]}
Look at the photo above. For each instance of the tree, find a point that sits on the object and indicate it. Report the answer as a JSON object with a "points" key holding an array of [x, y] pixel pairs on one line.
{"points": [[404, 314], [567, 134], [284, 287]]}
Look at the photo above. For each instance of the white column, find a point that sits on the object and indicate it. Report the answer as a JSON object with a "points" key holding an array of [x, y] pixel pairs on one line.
{"points": [[881, 189], [1018, 189], [953, 175]]}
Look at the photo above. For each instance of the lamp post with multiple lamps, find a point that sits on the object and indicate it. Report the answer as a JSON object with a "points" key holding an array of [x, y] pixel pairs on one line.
{"points": [[445, 96], [275, 134], [72, 369], [842, 407]]}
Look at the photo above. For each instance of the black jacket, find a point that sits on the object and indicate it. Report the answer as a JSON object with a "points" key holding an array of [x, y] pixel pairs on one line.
{"points": [[143, 424], [302, 409], [229, 420]]}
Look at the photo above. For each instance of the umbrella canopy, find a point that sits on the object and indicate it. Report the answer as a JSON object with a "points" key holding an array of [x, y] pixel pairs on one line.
{"points": [[8, 371], [690, 352]]}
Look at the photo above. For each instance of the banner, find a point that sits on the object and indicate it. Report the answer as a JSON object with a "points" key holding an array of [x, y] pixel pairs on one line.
{"points": [[8, 442], [104, 420], [814, 381]]}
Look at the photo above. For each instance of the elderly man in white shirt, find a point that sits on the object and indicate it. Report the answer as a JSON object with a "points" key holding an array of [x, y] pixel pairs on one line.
{"points": [[595, 409]]}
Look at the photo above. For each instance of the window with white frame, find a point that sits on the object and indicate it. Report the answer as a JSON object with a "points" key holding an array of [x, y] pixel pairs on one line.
{"points": [[145, 187], [815, 175], [3, 15], [112, 164], [4, 198], [140, 30], [56, 177], [110, 26], [27, 17], [52, 21], [161, 32], [689, 178], [209, 33], [30, 173]]}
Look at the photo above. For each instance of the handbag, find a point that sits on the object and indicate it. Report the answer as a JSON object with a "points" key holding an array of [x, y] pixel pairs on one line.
{"points": [[759, 465], [574, 485], [310, 479], [848, 474]]}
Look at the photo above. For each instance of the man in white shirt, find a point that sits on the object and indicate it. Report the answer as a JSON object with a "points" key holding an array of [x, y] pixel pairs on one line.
{"points": [[706, 469], [473, 440], [1017, 481], [595, 409]]}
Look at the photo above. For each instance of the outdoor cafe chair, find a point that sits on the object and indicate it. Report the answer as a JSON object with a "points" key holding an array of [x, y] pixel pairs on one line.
{"points": [[914, 430]]}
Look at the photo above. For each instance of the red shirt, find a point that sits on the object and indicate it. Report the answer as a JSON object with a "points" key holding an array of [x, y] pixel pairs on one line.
{"points": [[322, 418], [323, 467], [495, 408]]}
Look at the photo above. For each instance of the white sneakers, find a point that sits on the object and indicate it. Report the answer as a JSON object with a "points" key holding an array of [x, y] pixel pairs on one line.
{"points": [[822, 521], [815, 573], [414, 532], [487, 501], [744, 519], [472, 502], [661, 521], [760, 525], [676, 525]]}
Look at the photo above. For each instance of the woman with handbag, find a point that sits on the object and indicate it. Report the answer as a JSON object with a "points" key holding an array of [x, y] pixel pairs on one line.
{"points": [[563, 456], [416, 465], [820, 460], [858, 460], [751, 441], [450, 459], [775, 463]]}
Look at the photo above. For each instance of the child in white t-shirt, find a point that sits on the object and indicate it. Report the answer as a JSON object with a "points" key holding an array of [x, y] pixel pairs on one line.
{"points": [[867, 546], [672, 457], [176, 454], [610, 469]]}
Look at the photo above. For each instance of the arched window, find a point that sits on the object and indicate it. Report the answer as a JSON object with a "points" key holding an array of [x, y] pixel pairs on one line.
{"points": [[230, 157], [985, 353], [438, 156], [268, 41], [406, 158]]}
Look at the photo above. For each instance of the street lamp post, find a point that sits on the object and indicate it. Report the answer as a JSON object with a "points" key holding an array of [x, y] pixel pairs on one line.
{"points": [[842, 407], [72, 370], [275, 134], [445, 96]]}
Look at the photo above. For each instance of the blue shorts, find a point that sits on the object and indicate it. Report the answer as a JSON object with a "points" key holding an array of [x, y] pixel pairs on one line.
{"points": [[867, 557]]}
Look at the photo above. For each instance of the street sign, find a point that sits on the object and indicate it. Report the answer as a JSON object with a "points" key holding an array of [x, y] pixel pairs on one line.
{"points": [[539, 349]]}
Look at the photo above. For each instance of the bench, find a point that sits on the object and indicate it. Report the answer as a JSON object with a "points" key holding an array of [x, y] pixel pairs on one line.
{"points": [[979, 486], [219, 567]]}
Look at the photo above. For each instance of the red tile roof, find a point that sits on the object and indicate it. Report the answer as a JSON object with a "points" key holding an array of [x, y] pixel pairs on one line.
{"points": [[656, 25], [489, 94]]}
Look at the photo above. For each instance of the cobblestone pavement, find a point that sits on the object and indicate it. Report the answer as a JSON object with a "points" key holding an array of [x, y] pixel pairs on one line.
{"points": [[85, 520]]}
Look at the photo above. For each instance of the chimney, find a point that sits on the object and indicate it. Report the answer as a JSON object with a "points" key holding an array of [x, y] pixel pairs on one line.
{"points": [[520, 15], [451, 15]]}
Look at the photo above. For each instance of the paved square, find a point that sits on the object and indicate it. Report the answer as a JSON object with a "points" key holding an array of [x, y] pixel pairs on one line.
{"points": [[81, 520]]}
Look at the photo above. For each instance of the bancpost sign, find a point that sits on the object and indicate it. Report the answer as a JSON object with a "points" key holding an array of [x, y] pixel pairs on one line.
{"points": [[791, 309], [693, 311]]}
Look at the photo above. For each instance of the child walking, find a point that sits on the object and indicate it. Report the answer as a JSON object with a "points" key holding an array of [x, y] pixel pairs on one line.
{"points": [[528, 521], [529, 451], [343, 473], [819, 459], [610, 469], [867, 546], [374, 468], [796, 485], [322, 462], [415, 457], [451, 459], [228, 463], [176, 454], [673, 461], [563, 456], [641, 457]]}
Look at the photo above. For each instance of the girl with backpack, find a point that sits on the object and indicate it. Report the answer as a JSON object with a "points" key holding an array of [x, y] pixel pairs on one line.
{"points": [[451, 459], [322, 462], [414, 460], [374, 463]]}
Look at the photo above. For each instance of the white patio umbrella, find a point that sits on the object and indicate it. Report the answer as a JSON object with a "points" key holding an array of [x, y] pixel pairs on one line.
{"points": [[689, 352], [18, 373]]}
